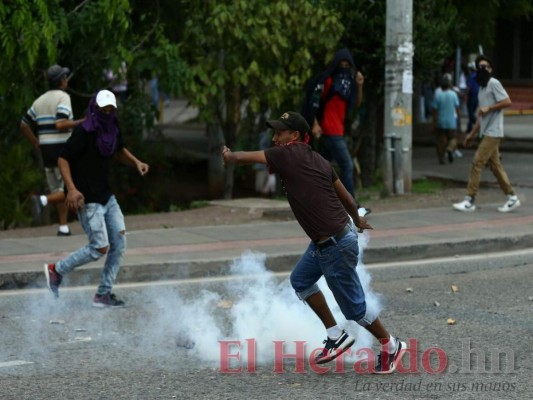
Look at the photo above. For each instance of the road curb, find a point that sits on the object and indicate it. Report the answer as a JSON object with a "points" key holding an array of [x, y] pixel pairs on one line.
{"points": [[276, 263]]}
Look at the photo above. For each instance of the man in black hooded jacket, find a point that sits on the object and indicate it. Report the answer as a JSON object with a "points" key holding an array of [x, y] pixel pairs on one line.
{"points": [[330, 96]]}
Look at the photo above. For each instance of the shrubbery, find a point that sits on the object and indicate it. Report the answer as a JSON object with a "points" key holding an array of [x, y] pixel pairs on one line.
{"points": [[19, 177]]}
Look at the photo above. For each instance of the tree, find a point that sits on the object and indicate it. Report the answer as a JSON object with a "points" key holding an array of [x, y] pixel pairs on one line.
{"points": [[86, 36], [477, 19], [249, 57]]}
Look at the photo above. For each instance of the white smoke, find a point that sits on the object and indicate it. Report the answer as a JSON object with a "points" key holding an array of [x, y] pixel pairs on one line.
{"points": [[254, 304], [265, 310]]}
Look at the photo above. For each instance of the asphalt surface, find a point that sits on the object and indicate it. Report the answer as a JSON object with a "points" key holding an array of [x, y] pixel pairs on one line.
{"points": [[66, 349]]}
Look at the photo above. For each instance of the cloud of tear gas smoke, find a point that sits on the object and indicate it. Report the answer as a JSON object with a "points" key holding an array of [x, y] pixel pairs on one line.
{"points": [[48, 324], [260, 308], [255, 304]]}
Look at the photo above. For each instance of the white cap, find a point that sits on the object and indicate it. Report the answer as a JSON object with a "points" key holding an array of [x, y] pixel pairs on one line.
{"points": [[106, 98]]}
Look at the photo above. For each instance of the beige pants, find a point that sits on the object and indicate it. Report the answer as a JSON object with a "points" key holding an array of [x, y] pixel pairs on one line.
{"points": [[488, 151]]}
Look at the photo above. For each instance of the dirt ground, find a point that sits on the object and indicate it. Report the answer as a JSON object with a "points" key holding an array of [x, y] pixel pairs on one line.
{"points": [[222, 215]]}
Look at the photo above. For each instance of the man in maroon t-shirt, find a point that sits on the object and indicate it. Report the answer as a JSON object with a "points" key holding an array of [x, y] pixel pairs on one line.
{"points": [[327, 213]]}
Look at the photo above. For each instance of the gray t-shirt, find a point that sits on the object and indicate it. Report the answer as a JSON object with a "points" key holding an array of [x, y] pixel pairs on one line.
{"points": [[491, 124]]}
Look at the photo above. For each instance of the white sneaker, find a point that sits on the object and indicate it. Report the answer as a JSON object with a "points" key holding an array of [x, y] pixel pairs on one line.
{"points": [[363, 212], [511, 203], [465, 205]]}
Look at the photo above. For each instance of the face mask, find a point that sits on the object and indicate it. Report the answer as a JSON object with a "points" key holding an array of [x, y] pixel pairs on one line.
{"points": [[483, 76], [343, 82]]}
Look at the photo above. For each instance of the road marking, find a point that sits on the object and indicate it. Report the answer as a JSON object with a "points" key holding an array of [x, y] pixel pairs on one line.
{"points": [[14, 363]]}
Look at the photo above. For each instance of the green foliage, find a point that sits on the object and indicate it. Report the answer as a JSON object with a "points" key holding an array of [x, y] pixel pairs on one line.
{"points": [[435, 31], [199, 204], [426, 186], [29, 32], [364, 35], [150, 193], [19, 178], [175, 208], [479, 17], [245, 56], [100, 37]]}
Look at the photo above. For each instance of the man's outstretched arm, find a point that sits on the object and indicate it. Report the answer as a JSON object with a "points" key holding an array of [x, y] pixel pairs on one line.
{"points": [[243, 157]]}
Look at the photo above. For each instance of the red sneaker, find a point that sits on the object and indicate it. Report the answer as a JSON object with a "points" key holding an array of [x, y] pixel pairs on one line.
{"points": [[53, 278]]}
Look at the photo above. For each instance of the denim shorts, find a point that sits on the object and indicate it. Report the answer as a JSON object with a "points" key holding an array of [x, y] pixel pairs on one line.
{"points": [[337, 263]]}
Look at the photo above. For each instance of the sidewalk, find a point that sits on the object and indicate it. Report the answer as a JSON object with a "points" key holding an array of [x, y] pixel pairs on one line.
{"points": [[208, 250]]}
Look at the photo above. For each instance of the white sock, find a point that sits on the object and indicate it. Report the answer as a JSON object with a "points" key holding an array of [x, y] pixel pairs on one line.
{"points": [[64, 228], [334, 332], [44, 200], [392, 345]]}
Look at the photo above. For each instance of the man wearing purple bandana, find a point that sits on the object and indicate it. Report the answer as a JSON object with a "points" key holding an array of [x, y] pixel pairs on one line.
{"points": [[85, 165]]}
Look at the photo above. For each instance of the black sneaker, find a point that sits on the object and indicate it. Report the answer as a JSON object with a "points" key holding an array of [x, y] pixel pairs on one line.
{"points": [[53, 278], [387, 362], [107, 300], [334, 347], [60, 233], [37, 208]]}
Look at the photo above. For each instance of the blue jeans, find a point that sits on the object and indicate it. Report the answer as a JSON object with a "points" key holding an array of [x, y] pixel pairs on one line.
{"points": [[104, 226], [335, 148], [337, 264], [472, 108]]}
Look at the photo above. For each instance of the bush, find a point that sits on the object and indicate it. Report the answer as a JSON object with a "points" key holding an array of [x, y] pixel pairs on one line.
{"points": [[19, 177]]}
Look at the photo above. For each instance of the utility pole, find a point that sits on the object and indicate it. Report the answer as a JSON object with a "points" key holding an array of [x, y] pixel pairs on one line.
{"points": [[398, 96]]}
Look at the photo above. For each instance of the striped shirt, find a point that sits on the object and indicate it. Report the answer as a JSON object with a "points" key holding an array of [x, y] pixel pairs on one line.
{"points": [[50, 107]]}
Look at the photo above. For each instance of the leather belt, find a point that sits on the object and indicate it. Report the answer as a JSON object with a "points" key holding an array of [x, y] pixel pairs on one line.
{"points": [[334, 238]]}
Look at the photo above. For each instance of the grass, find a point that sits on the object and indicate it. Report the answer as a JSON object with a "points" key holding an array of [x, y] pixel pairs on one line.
{"points": [[420, 186], [199, 204], [189, 206], [426, 186]]}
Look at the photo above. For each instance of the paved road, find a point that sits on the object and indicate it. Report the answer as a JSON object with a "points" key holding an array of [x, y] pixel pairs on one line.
{"points": [[67, 350]]}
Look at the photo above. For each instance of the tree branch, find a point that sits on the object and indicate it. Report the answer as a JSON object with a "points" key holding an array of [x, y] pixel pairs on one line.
{"points": [[78, 7]]}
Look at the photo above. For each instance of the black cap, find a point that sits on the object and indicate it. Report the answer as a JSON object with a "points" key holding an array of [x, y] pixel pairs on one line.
{"points": [[290, 120], [56, 72]]}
